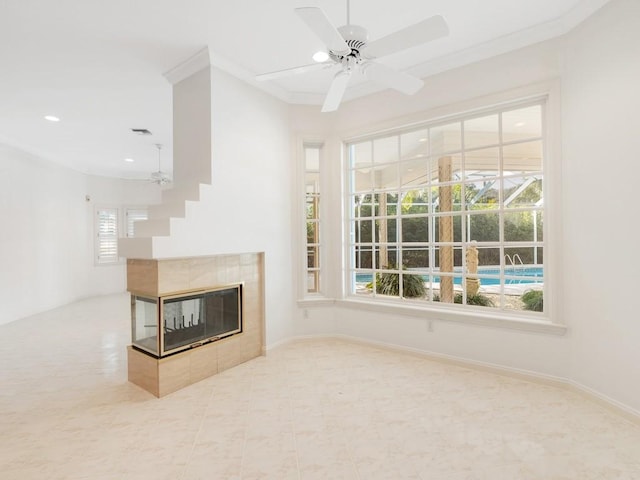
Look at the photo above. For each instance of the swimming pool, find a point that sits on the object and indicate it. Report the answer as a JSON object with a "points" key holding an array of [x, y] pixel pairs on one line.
{"points": [[516, 275]]}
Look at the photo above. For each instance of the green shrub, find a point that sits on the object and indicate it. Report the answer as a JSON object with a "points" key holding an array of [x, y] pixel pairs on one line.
{"points": [[479, 300], [389, 284], [532, 300]]}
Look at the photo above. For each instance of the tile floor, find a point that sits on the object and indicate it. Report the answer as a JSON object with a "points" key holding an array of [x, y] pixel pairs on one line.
{"points": [[314, 409]]}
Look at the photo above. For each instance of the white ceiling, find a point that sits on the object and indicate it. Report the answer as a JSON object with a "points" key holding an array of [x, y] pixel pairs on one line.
{"points": [[98, 65]]}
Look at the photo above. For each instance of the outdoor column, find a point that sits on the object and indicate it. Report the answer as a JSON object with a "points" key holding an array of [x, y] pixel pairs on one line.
{"points": [[473, 282], [445, 230]]}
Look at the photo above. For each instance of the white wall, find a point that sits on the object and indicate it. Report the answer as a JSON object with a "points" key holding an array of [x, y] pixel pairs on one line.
{"points": [[191, 129], [601, 101], [248, 206], [47, 233]]}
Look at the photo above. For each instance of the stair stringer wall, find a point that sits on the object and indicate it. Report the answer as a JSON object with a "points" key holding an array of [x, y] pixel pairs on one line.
{"points": [[248, 205]]}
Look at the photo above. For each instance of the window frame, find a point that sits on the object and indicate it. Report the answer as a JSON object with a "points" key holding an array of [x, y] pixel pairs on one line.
{"points": [[123, 227], [320, 250], [136, 213], [99, 238], [547, 96]]}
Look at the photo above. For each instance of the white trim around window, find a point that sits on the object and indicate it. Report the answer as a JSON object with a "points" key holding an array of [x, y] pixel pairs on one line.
{"points": [[107, 229], [310, 215], [544, 96]]}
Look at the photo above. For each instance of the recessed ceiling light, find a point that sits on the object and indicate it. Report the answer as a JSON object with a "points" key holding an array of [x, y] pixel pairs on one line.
{"points": [[320, 56], [128, 160], [520, 124], [422, 140], [51, 118]]}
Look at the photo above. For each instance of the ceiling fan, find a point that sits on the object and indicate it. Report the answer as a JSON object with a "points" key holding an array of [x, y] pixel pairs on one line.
{"points": [[159, 177], [349, 47]]}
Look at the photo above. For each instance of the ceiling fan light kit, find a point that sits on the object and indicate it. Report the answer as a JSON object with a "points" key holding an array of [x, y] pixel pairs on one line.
{"points": [[320, 56], [350, 49]]}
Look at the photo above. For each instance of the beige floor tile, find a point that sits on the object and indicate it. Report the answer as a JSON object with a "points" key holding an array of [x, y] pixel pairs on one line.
{"points": [[312, 409]]}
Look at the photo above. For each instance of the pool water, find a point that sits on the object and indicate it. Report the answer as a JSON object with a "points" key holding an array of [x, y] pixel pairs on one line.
{"points": [[528, 274]]}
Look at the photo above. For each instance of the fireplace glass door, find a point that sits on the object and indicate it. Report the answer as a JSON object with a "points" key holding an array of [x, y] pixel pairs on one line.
{"points": [[185, 320], [188, 320], [144, 325]]}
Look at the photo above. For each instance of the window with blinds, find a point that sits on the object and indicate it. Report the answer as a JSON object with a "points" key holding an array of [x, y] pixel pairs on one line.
{"points": [[106, 235], [133, 215]]}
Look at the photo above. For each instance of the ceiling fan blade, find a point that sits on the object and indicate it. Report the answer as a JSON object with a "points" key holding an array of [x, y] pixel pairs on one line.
{"points": [[336, 91], [293, 71], [417, 34], [391, 78], [320, 24]]}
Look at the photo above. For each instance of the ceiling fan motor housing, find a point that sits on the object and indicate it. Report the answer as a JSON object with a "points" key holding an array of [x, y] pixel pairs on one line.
{"points": [[356, 37]]}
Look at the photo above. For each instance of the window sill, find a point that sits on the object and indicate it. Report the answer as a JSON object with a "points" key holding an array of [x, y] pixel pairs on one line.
{"points": [[119, 263], [513, 322], [316, 301]]}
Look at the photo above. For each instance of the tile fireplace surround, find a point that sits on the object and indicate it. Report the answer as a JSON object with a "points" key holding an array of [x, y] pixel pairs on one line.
{"points": [[156, 278]]}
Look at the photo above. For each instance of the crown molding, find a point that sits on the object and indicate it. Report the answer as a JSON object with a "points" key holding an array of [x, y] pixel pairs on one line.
{"points": [[233, 68], [507, 43], [581, 12], [193, 64]]}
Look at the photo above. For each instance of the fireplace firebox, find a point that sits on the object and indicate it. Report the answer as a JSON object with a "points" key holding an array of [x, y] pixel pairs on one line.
{"points": [[169, 324]]}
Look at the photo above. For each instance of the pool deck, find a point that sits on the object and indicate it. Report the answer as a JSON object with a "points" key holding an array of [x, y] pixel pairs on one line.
{"points": [[510, 289]]}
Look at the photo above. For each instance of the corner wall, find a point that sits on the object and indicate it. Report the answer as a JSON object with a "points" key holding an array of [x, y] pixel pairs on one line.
{"points": [[192, 129], [601, 125]]}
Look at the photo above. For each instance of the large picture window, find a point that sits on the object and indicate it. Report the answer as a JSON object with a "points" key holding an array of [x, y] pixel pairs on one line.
{"points": [[451, 212]]}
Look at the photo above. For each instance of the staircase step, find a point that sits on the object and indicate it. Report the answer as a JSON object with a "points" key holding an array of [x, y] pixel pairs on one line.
{"points": [[159, 227], [164, 210], [153, 233], [135, 247], [178, 194]]}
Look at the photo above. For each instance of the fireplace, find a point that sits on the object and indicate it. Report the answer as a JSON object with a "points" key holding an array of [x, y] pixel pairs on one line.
{"points": [[193, 317], [165, 325]]}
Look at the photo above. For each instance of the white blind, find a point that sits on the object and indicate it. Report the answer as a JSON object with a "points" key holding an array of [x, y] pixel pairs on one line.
{"points": [[133, 215], [107, 235]]}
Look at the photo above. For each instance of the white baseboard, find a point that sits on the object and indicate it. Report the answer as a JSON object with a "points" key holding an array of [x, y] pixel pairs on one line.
{"points": [[620, 408]]}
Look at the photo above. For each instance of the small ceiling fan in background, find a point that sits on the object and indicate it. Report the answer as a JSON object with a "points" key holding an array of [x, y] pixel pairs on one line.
{"points": [[349, 47], [159, 177]]}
